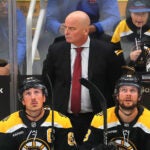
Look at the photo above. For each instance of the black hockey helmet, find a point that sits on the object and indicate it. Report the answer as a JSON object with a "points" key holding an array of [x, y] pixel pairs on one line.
{"points": [[32, 82], [128, 79]]}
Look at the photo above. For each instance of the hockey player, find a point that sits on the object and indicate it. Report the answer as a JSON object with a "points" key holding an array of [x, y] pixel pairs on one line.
{"points": [[36, 127], [128, 125]]}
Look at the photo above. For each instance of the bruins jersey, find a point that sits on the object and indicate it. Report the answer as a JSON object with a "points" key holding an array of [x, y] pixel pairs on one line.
{"points": [[126, 136], [22, 134]]}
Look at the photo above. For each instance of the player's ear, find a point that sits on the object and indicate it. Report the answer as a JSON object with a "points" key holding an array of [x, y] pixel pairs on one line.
{"points": [[23, 103]]}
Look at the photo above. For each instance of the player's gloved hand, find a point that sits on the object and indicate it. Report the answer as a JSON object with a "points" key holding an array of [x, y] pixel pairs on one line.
{"points": [[110, 146]]}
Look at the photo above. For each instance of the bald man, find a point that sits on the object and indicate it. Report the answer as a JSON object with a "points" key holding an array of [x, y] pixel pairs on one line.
{"points": [[97, 61]]}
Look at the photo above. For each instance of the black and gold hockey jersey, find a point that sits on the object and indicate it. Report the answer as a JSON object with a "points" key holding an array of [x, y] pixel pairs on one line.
{"points": [[17, 132], [126, 136]]}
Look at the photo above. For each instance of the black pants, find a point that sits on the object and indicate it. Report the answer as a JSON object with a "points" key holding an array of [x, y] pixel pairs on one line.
{"points": [[80, 123]]}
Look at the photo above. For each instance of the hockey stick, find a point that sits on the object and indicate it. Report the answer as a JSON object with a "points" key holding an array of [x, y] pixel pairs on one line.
{"points": [[52, 108], [94, 89]]}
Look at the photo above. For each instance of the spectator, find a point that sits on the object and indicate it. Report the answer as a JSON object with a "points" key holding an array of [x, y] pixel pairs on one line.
{"points": [[133, 33], [127, 122], [4, 37], [98, 65], [36, 127], [104, 15]]}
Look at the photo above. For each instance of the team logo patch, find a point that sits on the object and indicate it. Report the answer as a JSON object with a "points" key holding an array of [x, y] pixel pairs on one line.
{"points": [[123, 145], [34, 144]]}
